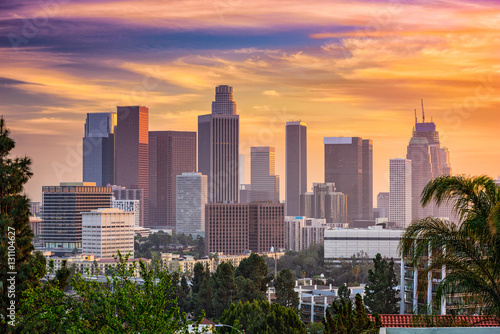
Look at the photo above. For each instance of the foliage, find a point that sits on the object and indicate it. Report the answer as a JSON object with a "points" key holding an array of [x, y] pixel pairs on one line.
{"points": [[202, 299], [252, 278], [285, 293], [344, 319], [15, 227], [224, 288], [164, 242], [381, 295], [262, 317], [353, 271], [470, 252], [121, 305], [309, 260], [344, 292]]}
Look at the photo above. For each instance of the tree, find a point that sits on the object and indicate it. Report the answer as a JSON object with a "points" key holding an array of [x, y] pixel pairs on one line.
{"points": [[381, 295], [252, 278], [344, 319], [344, 292], [62, 275], [16, 235], [470, 251], [262, 317], [224, 288], [202, 300], [105, 308], [285, 293]]}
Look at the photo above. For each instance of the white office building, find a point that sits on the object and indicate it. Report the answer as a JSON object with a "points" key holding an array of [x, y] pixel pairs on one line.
{"points": [[129, 205], [190, 205], [400, 196], [104, 231], [302, 232], [344, 243]]}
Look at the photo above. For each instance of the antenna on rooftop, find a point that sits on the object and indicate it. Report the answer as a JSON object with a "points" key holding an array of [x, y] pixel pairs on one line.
{"points": [[423, 113], [416, 117]]}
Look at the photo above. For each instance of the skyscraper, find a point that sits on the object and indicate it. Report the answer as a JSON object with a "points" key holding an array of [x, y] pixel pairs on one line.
{"points": [[264, 181], [132, 151], [383, 204], [61, 228], [218, 147], [326, 203], [349, 164], [99, 148], [400, 192], [296, 166], [419, 153], [190, 205], [171, 153], [429, 160]]}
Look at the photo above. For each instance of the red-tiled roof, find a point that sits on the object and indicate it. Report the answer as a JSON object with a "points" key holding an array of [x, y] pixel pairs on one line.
{"points": [[410, 320], [205, 321]]}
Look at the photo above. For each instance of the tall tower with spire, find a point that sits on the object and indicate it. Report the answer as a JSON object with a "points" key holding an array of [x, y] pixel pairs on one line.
{"points": [[426, 154], [218, 147]]}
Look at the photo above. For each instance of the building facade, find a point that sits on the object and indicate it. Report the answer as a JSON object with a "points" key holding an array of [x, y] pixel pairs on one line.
{"points": [[296, 166], [107, 231], [190, 205], [99, 148], [129, 205], [61, 228], [218, 147], [132, 151], [122, 193], [383, 204], [344, 243], [349, 164], [400, 194], [324, 202], [265, 183], [266, 227], [171, 153], [233, 228], [302, 232]]}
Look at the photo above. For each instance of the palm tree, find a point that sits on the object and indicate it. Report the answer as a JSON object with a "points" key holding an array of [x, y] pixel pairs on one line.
{"points": [[469, 251]]}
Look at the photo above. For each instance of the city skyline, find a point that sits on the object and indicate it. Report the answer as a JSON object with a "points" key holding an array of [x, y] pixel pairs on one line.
{"points": [[355, 69]]}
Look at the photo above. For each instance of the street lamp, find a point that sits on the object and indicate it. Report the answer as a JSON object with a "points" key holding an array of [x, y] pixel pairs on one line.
{"points": [[224, 325]]}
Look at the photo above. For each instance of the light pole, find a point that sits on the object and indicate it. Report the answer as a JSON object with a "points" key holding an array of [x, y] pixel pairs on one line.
{"points": [[224, 325]]}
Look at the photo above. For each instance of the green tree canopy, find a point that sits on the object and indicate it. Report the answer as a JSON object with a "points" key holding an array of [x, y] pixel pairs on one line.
{"points": [[224, 287], [469, 251], [381, 295], [15, 227], [285, 293], [119, 306], [262, 317], [342, 318], [252, 278], [344, 292]]}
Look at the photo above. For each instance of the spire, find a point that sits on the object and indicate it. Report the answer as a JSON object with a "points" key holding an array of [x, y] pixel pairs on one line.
{"points": [[423, 113], [416, 117]]}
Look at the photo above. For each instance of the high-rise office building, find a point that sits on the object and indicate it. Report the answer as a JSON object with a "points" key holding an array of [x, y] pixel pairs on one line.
{"points": [[35, 208], [107, 231], [218, 147], [265, 183], [129, 205], [296, 166], [400, 193], [429, 160], [266, 226], [245, 193], [226, 228], [132, 151], [171, 153], [190, 205], [242, 169], [235, 228], [302, 232], [99, 148], [326, 203], [419, 153], [349, 164], [383, 205], [61, 228], [124, 194]]}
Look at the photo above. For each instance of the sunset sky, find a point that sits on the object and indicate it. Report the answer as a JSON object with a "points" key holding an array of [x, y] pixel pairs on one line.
{"points": [[346, 68]]}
